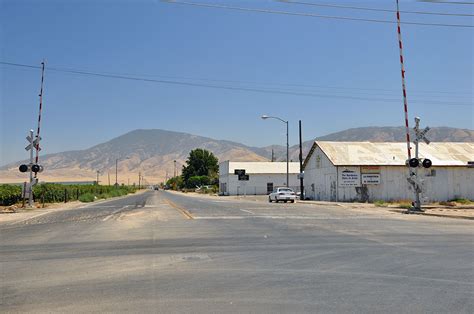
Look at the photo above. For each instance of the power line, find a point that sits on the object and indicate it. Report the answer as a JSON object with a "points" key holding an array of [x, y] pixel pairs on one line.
{"points": [[334, 88], [224, 87], [245, 9], [342, 89], [338, 6], [446, 2]]}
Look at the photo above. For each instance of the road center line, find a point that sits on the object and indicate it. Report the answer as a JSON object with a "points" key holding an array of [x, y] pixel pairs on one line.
{"points": [[182, 210]]}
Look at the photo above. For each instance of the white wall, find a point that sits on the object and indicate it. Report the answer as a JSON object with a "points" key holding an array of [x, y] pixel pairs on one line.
{"points": [[257, 184], [229, 183], [320, 178], [450, 183]]}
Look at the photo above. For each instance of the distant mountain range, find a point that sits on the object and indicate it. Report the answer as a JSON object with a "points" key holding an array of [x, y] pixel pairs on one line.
{"points": [[379, 134], [152, 152]]}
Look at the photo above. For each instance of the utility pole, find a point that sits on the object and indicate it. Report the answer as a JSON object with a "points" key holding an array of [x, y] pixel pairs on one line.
{"points": [[108, 175], [139, 179], [174, 168], [301, 164], [98, 172], [116, 172], [273, 155], [287, 156]]}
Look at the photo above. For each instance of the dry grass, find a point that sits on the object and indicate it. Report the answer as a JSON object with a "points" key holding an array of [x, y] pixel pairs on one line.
{"points": [[394, 203]]}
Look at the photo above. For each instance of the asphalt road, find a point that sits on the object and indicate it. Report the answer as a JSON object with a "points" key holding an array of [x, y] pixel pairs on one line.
{"points": [[161, 252]]}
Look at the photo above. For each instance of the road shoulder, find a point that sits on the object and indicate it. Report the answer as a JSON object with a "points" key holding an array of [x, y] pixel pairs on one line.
{"points": [[23, 214]]}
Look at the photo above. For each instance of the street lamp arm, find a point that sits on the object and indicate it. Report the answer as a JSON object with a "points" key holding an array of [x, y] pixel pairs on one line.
{"points": [[264, 117], [277, 118]]}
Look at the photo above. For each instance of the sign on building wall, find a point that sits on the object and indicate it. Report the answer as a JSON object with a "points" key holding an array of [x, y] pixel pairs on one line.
{"points": [[370, 169], [370, 178], [370, 174], [349, 177]]}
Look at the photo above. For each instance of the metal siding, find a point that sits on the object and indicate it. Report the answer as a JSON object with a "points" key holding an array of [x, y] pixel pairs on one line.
{"points": [[318, 177], [449, 183]]}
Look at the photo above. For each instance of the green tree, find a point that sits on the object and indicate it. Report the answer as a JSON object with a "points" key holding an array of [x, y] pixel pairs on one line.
{"points": [[175, 183], [200, 163], [197, 181]]}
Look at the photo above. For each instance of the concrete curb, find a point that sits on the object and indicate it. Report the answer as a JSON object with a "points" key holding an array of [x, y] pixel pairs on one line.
{"points": [[399, 211]]}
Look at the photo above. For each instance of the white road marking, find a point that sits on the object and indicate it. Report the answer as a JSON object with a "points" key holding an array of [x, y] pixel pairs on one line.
{"points": [[115, 212], [32, 217], [95, 205], [247, 211], [277, 217]]}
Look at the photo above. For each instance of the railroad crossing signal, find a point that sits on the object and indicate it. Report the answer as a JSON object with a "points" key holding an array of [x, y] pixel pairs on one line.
{"points": [[416, 183], [420, 135], [414, 162], [30, 167], [33, 143], [24, 168], [417, 162], [427, 163], [37, 168]]}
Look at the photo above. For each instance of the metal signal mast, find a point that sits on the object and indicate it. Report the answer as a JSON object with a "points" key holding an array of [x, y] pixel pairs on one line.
{"points": [[38, 138], [402, 66]]}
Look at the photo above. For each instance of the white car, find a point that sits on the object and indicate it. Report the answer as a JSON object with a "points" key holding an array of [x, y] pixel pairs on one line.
{"points": [[282, 194]]}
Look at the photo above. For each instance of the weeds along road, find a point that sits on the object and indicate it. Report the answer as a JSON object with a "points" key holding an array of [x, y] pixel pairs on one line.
{"points": [[161, 252]]}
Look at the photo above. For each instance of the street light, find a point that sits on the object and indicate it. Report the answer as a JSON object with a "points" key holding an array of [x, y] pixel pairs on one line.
{"points": [[264, 117]]}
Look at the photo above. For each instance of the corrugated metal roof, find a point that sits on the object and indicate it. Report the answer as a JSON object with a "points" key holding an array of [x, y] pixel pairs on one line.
{"points": [[393, 154], [264, 167]]}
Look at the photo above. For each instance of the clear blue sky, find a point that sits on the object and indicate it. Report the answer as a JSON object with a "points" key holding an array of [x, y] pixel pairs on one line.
{"points": [[158, 40]]}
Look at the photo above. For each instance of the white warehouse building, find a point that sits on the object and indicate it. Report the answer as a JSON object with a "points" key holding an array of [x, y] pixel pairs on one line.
{"points": [[366, 171], [263, 177]]}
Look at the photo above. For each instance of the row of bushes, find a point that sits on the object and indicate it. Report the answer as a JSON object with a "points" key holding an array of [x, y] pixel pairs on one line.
{"points": [[90, 197], [52, 193]]}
